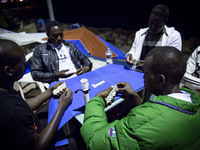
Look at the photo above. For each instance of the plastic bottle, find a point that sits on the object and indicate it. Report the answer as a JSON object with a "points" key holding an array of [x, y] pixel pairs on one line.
{"points": [[109, 56]]}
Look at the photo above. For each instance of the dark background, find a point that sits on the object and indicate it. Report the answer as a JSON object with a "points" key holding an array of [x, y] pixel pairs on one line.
{"points": [[125, 14], [132, 15]]}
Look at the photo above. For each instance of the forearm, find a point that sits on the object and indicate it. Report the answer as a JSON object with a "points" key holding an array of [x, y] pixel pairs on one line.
{"points": [[43, 76], [35, 102], [129, 57], [44, 138], [87, 63], [135, 99]]}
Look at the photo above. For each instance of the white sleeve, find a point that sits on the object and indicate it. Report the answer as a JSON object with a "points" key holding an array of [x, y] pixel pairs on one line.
{"points": [[176, 40], [133, 48], [191, 63]]}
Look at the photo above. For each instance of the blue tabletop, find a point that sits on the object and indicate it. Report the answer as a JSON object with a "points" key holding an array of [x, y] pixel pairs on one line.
{"points": [[110, 75]]}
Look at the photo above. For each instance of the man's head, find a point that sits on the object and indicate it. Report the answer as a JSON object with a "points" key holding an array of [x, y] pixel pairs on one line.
{"points": [[55, 33], [164, 68], [158, 18], [12, 61]]}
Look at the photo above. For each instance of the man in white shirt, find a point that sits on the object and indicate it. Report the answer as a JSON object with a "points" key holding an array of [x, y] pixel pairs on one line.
{"points": [[64, 59], [157, 34], [192, 75]]}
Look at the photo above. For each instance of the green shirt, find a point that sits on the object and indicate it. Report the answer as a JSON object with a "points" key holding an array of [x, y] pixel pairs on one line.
{"points": [[148, 126]]}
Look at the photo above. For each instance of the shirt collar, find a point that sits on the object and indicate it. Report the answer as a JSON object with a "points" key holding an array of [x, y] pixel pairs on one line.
{"points": [[55, 47], [182, 96], [164, 31]]}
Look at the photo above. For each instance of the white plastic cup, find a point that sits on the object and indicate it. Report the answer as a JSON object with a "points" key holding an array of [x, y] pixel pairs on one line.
{"points": [[85, 88], [84, 84]]}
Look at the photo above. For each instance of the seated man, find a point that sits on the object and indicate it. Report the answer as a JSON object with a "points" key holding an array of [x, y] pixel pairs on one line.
{"points": [[192, 75], [19, 126], [170, 120], [57, 59], [157, 34]]}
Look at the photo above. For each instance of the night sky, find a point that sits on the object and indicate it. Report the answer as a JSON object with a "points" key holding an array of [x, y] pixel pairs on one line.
{"points": [[125, 14]]}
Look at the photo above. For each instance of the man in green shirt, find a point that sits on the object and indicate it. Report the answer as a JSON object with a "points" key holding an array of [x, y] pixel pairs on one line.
{"points": [[170, 120]]}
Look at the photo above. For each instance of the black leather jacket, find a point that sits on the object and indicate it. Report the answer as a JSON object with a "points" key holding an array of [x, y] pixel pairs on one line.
{"points": [[45, 61]]}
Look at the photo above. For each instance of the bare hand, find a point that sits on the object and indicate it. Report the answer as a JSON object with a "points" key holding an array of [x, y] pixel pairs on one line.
{"points": [[125, 88], [65, 99], [103, 94], [129, 59], [82, 70], [56, 86], [130, 95], [64, 74]]}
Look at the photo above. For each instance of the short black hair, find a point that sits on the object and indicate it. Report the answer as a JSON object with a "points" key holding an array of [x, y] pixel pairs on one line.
{"points": [[161, 10], [52, 23], [8, 53], [168, 61]]}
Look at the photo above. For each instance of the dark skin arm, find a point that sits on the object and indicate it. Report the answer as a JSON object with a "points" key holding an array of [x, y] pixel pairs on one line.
{"points": [[83, 70], [64, 74], [44, 138], [129, 59], [103, 94], [130, 95], [124, 88], [37, 101]]}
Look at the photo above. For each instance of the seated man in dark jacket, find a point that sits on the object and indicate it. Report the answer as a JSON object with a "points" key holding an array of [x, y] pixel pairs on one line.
{"points": [[57, 59]]}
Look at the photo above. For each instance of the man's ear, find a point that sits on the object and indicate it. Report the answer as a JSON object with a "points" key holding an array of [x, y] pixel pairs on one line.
{"points": [[162, 79], [8, 71]]}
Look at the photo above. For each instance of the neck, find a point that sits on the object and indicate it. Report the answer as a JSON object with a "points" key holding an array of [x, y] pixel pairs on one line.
{"points": [[171, 89], [154, 36]]}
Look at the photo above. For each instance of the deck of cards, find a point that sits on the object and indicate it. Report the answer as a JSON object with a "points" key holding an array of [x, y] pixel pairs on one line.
{"points": [[59, 89], [111, 95]]}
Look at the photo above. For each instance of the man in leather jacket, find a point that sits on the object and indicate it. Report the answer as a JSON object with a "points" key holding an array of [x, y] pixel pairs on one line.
{"points": [[57, 59]]}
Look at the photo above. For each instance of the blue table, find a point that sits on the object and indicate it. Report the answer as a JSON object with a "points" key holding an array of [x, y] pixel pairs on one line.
{"points": [[110, 75]]}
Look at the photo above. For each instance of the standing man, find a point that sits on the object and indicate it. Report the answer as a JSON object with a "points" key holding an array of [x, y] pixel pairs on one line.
{"points": [[157, 34], [57, 59], [170, 120]]}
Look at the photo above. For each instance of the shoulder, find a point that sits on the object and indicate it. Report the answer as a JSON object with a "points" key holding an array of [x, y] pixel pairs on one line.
{"points": [[70, 44], [142, 31], [14, 109], [171, 31], [144, 114], [197, 50], [12, 102], [40, 46]]}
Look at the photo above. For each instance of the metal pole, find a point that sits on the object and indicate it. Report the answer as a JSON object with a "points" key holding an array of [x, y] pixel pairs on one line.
{"points": [[50, 8]]}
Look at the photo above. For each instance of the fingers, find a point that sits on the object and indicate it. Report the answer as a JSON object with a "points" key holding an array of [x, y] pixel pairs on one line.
{"points": [[64, 90], [65, 99], [122, 85], [79, 71], [59, 88], [65, 70], [67, 93], [69, 74]]}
